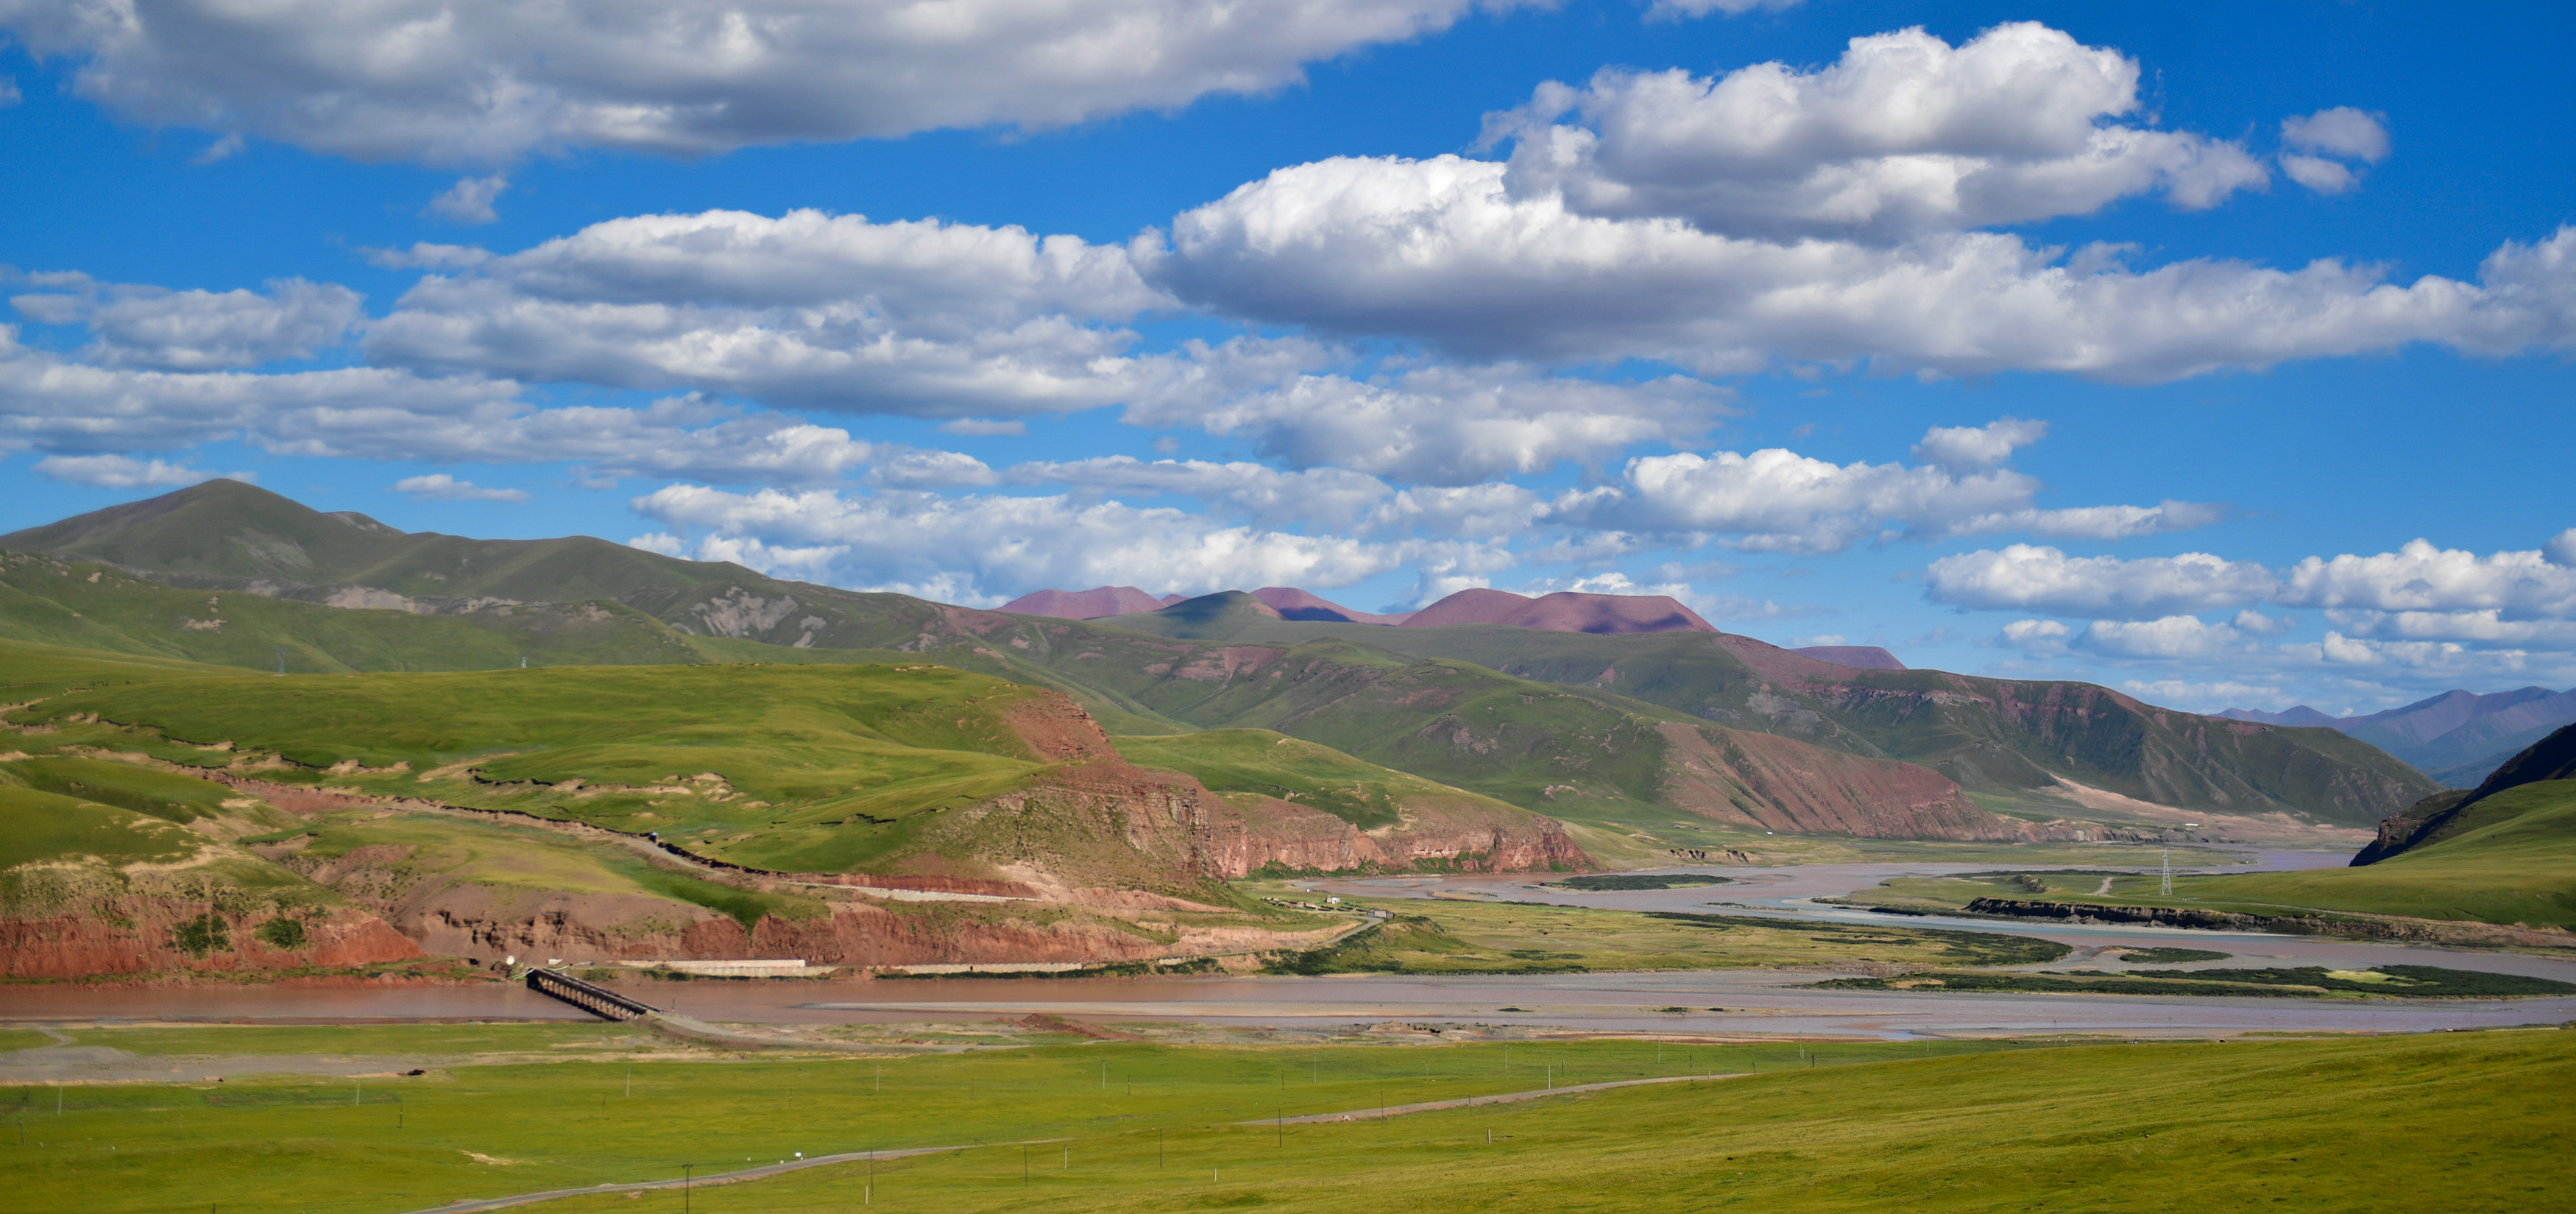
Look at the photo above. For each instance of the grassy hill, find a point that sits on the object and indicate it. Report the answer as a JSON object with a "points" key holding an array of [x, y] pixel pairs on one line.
{"points": [[1572, 701], [915, 776], [1261, 763], [93, 606], [2509, 859], [799, 768], [1998, 736]]}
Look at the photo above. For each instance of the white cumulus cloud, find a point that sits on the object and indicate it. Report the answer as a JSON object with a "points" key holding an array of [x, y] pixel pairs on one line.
{"points": [[162, 329], [1447, 425], [2341, 131], [488, 81], [126, 472], [1442, 251], [2025, 577], [990, 544], [1776, 500], [2312, 143], [1969, 448], [806, 308], [442, 487], [2173, 636], [1905, 134], [2422, 577], [470, 199]]}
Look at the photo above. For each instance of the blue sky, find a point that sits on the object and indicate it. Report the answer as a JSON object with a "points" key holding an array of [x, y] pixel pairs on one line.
{"points": [[2134, 344]]}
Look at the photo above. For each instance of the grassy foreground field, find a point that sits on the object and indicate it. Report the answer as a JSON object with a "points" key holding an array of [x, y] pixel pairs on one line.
{"points": [[2349, 1124]]}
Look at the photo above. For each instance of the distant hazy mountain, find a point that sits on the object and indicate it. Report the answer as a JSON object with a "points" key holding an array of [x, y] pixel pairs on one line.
{"points": [[1087, 604], [1294, 604], [2456, 737], [2301, 716], [1858, 657], [1564, 611]]}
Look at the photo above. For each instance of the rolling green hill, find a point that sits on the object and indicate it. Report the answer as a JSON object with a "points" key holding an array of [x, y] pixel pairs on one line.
{"points": [[157, 814], [798, 768], [1573, 715], [92, 606], [226, 535], [1258, 762]]}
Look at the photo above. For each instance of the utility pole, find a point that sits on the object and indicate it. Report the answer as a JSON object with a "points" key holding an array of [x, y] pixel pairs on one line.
{"points": [[685, 1176]]}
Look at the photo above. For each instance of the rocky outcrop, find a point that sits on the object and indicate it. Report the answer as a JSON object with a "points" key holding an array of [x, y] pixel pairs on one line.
{"points": [[138, 935], [2417, 823], [1190, 833], [1246, 834]]}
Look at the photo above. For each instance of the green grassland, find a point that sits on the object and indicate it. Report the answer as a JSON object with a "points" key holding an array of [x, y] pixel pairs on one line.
{"points": [[464, 1042], [61, 854], [1269, 764], [404, 853], [812, 768], [2277, 1124], [2510, 859], [1451, 722], [1440, 936], [2170, 956], [169, 796], [40, 826]]}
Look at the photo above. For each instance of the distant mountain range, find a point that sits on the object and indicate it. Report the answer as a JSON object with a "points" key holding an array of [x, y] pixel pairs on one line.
{"points": [[1629, 716], [1564, 611], [2457, 737]]}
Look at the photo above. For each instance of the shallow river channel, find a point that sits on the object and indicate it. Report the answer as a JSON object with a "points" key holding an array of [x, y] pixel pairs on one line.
{"points": [[1718, 1002]]}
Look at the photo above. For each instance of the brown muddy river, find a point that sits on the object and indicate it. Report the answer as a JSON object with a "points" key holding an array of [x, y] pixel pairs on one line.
{"points": [[1713, 1002]]}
